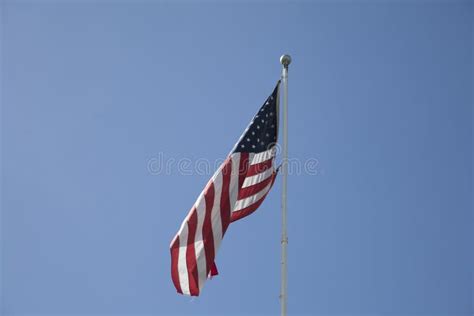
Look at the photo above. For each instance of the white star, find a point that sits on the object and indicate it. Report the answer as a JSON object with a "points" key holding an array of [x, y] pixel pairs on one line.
{"points": [[271, 113], [243, 146], [258, 139], [253, 133], [273, 125], [258, 126], [248, 139], [262, 143], [263, 121], [268, 135], [253, 146]]}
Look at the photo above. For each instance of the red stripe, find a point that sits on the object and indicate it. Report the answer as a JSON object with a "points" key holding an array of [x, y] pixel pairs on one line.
{"points": [[243, 167], [191, 255], [253, 189], [174, 264], [247, 211], [251, 208], [207, 234], [214, 270], [259, 167], [225, 203]]}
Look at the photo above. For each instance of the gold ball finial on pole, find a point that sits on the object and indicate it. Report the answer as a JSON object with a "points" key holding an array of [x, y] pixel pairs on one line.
{"points": [[285, 60]]}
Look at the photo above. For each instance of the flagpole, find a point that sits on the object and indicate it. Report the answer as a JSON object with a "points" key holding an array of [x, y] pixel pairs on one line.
{"points": [[285, 60]]}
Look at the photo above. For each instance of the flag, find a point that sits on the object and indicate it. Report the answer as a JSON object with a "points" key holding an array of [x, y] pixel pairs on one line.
{"points": [[235, 190]]}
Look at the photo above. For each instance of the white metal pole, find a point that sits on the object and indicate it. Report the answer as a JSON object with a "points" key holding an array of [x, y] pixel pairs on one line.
{"points": [[285, 60]]}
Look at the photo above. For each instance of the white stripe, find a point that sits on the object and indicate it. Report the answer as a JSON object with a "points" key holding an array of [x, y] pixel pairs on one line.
{"points": [[257, 178], [198, 241], [216, 211], [263, 156], [182, 268], [234, 180], [251, 155], [251, 199]]}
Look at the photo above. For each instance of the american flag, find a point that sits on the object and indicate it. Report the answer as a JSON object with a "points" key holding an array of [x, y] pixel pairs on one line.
{"points": [[235, 190]]}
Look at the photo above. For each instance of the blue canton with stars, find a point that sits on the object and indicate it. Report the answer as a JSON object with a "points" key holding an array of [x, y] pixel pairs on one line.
{"points": [[262, 133]]}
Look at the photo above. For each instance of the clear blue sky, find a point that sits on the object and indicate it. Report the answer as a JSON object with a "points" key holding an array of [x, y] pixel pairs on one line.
{"points": [[380, 95]]}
